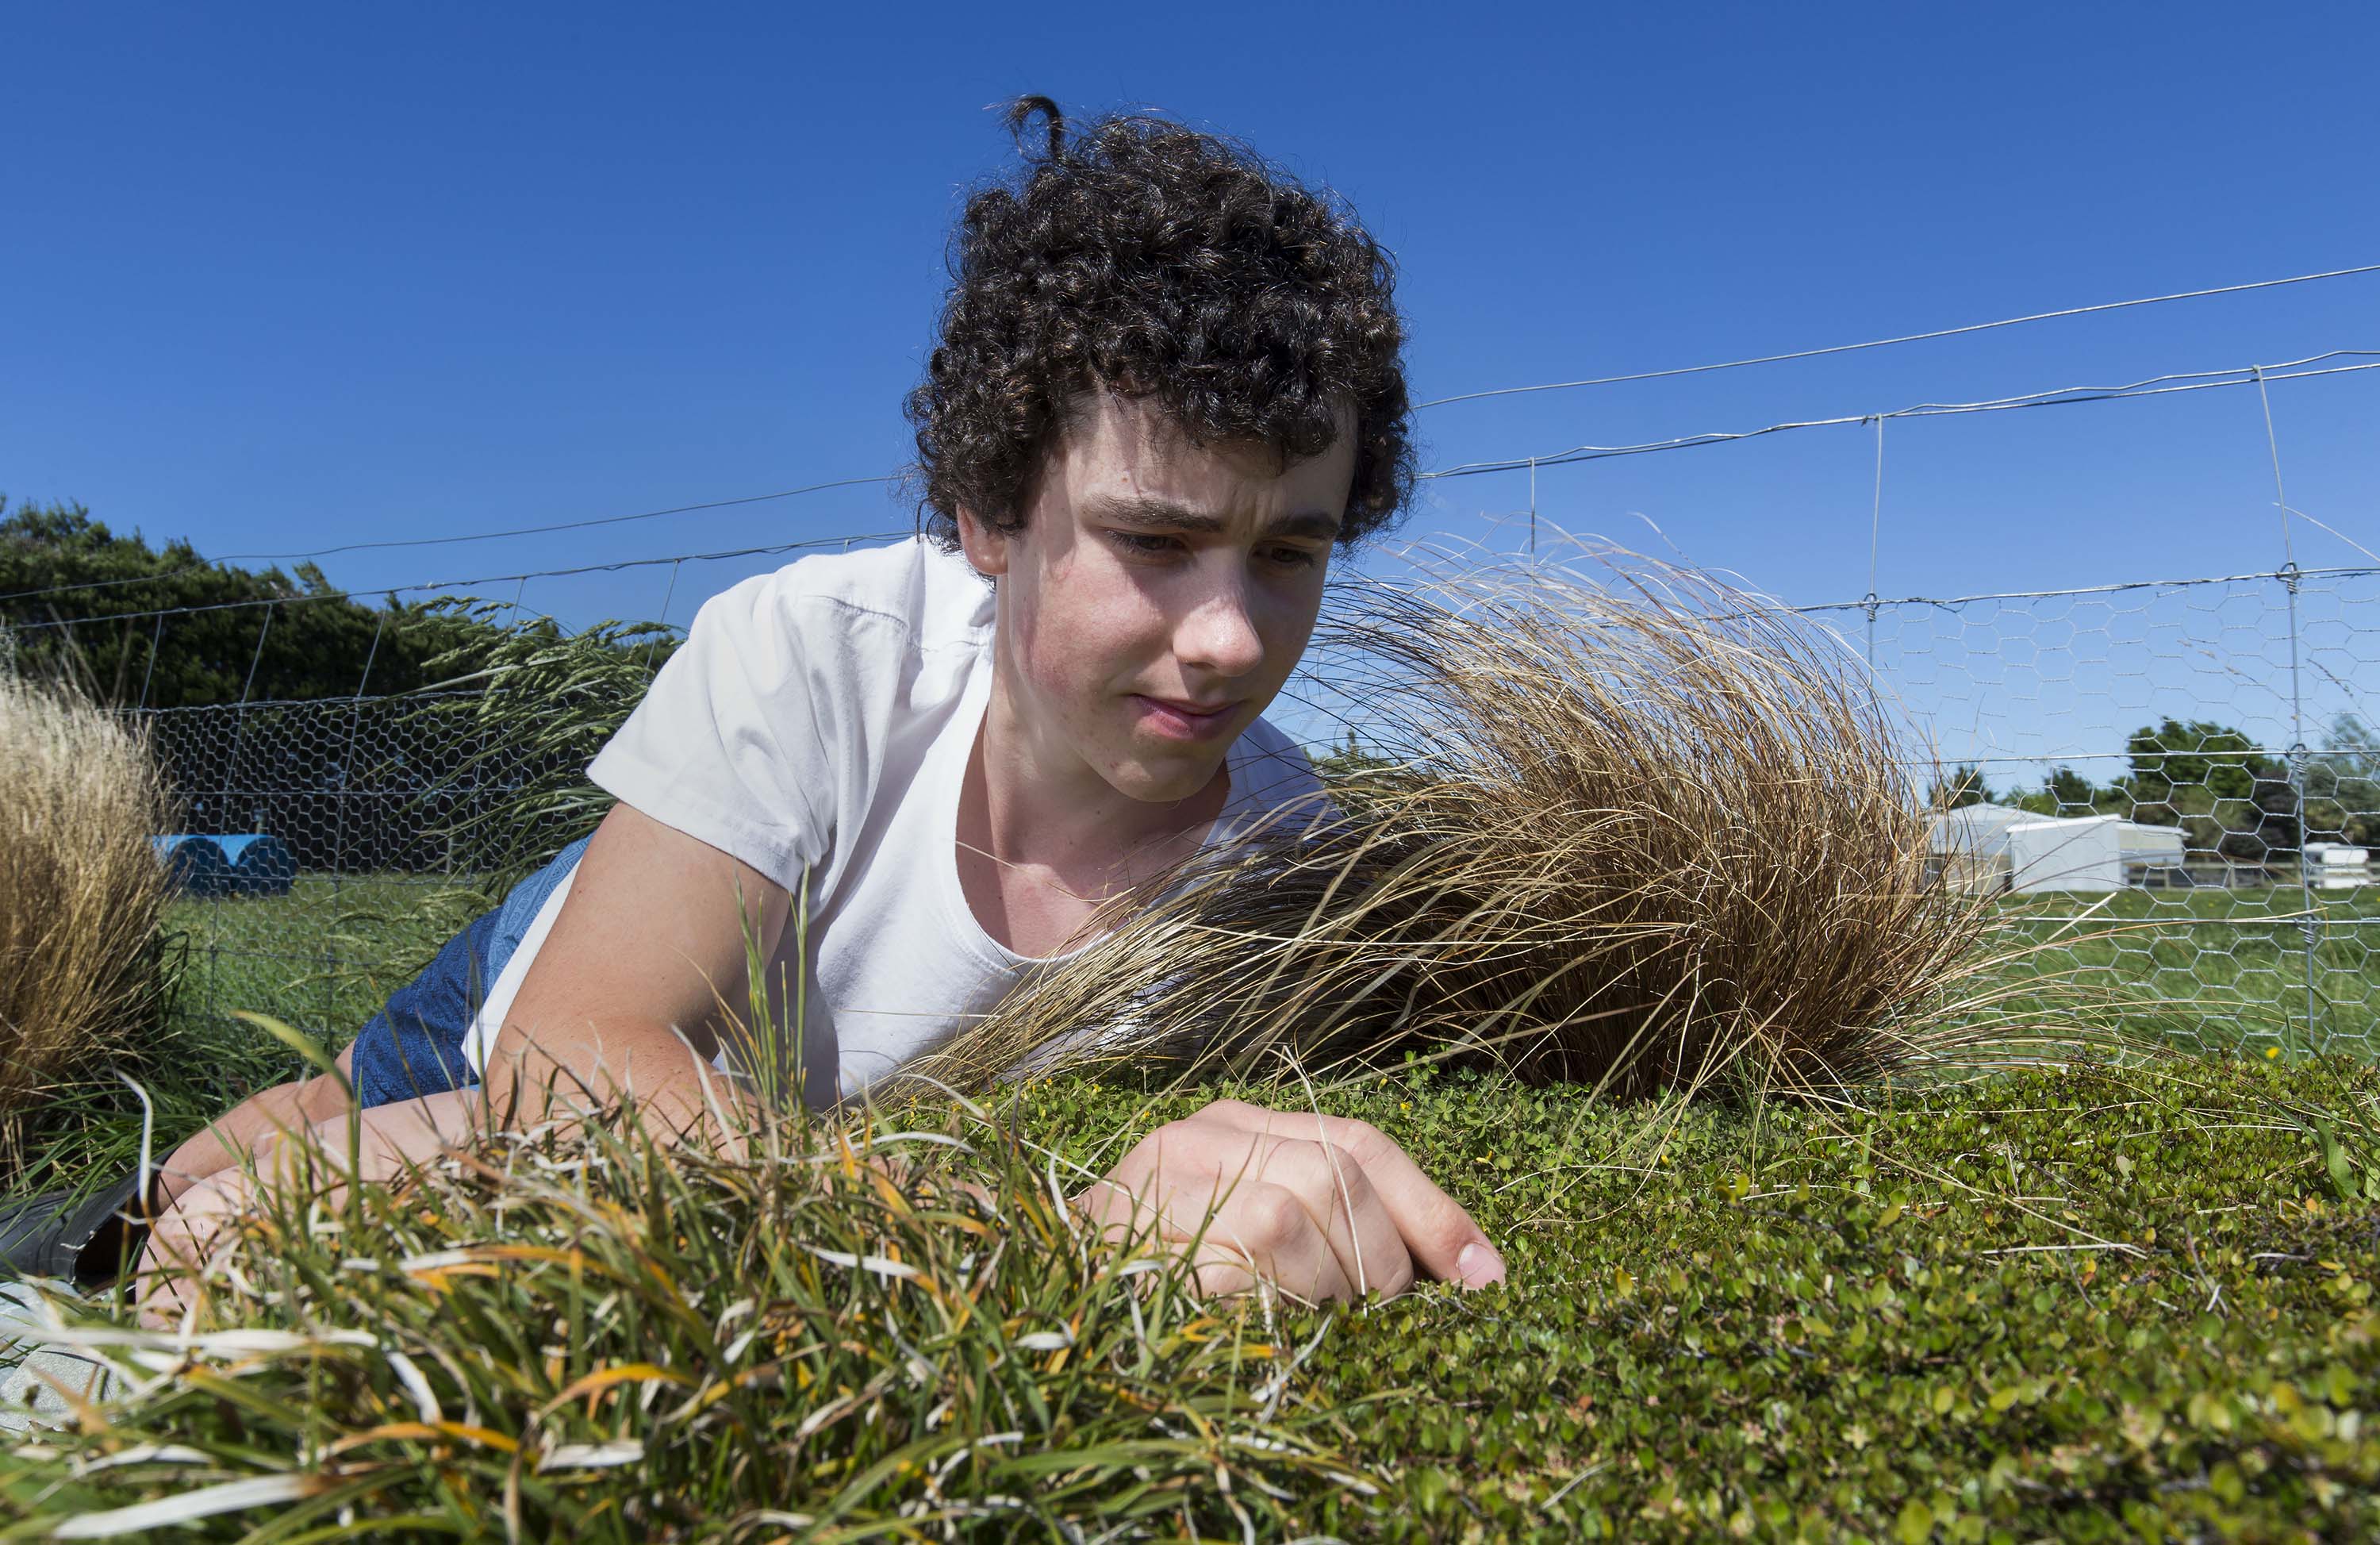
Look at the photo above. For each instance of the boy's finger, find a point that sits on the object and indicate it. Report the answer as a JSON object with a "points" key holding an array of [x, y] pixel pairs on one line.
{"points": [[1444, 1239], [1338, 1195], [1261, 1228]]}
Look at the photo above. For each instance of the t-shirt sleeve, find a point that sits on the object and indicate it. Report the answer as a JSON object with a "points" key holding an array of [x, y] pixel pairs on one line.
{"points": [[727, 746]]}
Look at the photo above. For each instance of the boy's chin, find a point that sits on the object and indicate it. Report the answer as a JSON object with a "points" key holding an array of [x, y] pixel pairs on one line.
{"points": [[1165, 780]]}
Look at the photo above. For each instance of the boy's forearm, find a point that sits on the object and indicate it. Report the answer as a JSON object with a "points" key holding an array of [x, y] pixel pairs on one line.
{"points": [[530, 1079]]}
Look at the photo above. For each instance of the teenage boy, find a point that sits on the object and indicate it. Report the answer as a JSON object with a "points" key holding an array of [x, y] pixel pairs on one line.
{"points": [[1167, 387]]}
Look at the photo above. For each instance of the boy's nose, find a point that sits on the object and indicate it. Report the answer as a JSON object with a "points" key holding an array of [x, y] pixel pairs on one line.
{"points": [[1217, 634]]}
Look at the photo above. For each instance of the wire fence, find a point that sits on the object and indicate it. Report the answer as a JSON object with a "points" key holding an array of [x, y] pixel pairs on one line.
{"points": [[378, 801], [2175, 783], [2186, 770], [2223, 874]]}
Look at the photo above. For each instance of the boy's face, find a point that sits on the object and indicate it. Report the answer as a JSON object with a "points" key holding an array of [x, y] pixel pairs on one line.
{"points": [[1160, 593]]}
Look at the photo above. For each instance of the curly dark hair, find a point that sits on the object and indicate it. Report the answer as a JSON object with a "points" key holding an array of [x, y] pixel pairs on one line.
{"points": [[1142, 258]]}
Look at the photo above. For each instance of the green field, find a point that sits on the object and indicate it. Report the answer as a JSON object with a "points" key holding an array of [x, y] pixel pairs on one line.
{"points": [[323, 958], [2212, 968]]}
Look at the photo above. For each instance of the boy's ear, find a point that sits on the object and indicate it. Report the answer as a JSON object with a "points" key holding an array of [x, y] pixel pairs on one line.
{"points": [[986, 547]]}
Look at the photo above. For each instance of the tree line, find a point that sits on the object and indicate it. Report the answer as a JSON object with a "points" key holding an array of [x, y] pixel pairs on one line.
{"points": [[347, 748], [159, 627], [2209, 779]]}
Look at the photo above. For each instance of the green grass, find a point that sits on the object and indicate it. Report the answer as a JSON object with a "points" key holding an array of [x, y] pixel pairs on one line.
{"points": [[2095, 1302], [326, 956], [2213, 968]]}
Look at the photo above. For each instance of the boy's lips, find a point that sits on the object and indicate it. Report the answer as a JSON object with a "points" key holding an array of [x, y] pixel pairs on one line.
{"points": [[1180, 720]]}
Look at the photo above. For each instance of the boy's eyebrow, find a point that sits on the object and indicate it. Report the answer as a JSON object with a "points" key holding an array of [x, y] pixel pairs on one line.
{"points": [[1165, 514]]}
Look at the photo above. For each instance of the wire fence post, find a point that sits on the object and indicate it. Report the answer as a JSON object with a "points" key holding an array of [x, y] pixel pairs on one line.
{"points": [[2310, 923], [149, 672], [230, 787], [1875, 539], [1533, 506], [347, 768], [667, 596], [2292, 577], [345, 791]]}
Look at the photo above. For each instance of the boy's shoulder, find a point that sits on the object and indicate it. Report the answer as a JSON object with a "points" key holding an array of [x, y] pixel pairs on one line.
{"points": [[935, 597]]}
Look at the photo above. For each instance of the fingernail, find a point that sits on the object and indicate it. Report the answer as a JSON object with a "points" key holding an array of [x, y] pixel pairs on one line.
{"points": [[1479, 1265]]}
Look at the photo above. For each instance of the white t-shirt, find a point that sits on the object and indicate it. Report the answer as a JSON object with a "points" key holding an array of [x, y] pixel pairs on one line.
{"points": [[822, 716]]}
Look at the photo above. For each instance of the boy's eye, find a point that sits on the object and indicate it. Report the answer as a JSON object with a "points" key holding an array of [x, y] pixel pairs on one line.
{"points": [[1155, 545]]}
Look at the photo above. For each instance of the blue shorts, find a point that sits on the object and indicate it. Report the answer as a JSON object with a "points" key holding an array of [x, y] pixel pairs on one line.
{"points": [[414, 1045]]}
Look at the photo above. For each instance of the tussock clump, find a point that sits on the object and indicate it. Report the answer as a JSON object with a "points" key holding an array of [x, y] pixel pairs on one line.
{"points": [[81, 891], [815, 1332], [1615, 823]]}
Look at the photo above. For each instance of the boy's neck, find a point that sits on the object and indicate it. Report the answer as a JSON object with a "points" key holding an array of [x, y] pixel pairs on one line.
{"points": [[1046, 808]]}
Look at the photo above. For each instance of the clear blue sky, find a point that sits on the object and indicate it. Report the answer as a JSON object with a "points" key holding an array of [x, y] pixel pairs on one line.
{"points": [[279, 277]]}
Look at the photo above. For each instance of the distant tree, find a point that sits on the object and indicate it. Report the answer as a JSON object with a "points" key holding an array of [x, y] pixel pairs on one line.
{"points": [[2064, 791], [1356, 776], [2209, 779], [2071, 792], [101, 621], [1962, 786], [161, 628]]}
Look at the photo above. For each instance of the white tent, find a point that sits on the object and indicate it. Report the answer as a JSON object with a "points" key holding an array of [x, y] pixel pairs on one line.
{"points": [[1976, 832], [1998, 847], [2089, 853]]}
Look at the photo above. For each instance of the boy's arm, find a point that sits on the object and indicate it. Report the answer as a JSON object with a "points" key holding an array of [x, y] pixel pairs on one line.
{"points": [[648, 943], [1328, 1207]]}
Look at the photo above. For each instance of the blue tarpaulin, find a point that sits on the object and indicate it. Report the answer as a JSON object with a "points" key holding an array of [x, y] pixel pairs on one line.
{"points": [[260, 864], [197, 864], [248, 863]]}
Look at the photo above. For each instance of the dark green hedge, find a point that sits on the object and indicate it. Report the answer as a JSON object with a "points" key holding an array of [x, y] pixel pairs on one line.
{"points": [[1906, 1325]]}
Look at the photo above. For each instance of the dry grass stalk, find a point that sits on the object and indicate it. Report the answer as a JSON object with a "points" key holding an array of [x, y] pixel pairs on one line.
{"points": [[1632, 828], [82, 891]]}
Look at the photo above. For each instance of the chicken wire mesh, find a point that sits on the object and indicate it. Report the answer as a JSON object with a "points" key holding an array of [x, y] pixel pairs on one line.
{"points": [[2176, 785], [2173, 785], [399, 813]]}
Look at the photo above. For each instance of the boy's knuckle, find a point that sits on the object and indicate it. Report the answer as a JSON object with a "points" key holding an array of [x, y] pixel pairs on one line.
{"points": [[1274, 1217], [1183, 1129], [1146, 1153], [1326, 1169]]}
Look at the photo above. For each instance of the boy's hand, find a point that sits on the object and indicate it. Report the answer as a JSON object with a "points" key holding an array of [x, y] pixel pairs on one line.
{"points": [[1323, 1207], [390, 1141]]}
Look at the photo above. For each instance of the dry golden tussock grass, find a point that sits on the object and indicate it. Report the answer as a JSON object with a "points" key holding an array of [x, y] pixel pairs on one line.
{"points": [[1618, 824], [82, 891]]}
